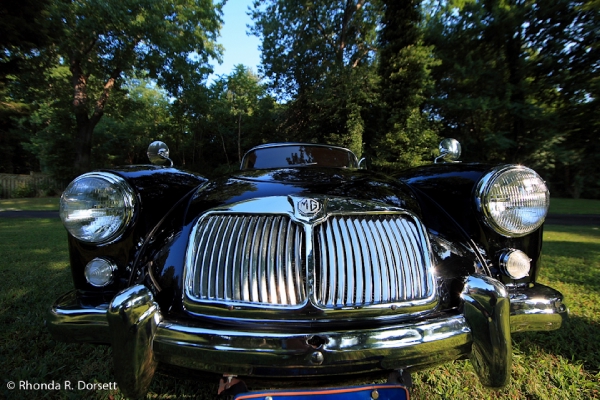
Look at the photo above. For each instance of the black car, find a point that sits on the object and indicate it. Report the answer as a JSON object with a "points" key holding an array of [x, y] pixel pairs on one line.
{"points": [[303, 268]]}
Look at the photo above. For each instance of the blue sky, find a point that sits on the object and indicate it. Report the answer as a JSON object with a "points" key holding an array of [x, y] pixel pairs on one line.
{"points": [[240, 48]]}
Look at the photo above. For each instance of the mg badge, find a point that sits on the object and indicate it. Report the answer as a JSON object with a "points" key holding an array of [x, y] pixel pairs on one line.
{"points": [[309, 207]]}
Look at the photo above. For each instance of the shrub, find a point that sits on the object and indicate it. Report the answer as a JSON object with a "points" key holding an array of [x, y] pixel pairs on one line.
{"points": [[22, 190], [46, 189]]}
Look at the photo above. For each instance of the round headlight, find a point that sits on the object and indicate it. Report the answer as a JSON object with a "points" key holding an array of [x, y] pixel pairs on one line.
{"points": [[97, 207], [513, 200]]}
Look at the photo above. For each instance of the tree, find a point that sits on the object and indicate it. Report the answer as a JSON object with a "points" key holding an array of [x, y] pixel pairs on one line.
{"points": [[216, 124], [101, 41], [515, 81], [235, 100], [243, 94], [23, 31], [137, 115], [406, 137], [315, 55]]}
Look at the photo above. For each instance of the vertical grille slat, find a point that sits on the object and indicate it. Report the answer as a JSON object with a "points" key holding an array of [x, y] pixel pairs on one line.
{"points": [[357, 252], [368, 271], [323, 251], [405, 260], [298, 264], [387, 255], [349, 253], [249, 259]]}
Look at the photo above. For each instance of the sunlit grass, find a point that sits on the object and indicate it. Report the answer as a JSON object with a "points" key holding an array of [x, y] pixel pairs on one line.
{"points": [[563, 364]]}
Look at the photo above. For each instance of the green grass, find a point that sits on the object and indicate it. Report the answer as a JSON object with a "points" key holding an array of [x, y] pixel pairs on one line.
{"points": [[563, 364], [30, 204], [574, 206]]}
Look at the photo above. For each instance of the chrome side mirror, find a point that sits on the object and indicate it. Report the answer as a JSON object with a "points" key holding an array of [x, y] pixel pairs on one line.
{"points": [[158, 153], [449, 150], [362, 163]]}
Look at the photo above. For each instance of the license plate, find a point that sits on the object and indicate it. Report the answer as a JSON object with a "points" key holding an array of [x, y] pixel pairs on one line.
{"points": [[372, 392]]}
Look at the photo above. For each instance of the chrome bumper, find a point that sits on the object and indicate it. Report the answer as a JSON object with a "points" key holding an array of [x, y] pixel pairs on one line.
{"points": [[141, 338]]}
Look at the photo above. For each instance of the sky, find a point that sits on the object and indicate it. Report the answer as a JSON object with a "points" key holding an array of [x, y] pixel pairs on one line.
{"points": [[240, 48]]}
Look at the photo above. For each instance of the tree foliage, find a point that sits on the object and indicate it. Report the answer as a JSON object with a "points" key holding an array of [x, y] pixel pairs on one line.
{"points": [[318, 57], [513, 73], [406, 134], [220, 122], [86, 84], [22, 31], [103, 40]]}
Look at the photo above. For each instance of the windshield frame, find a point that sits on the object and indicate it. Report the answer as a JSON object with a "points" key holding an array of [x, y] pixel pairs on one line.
{"points": [[270, 150]]}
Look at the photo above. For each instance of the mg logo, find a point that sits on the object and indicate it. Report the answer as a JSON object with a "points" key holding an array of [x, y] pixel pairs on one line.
{"points": [[309, 207]]}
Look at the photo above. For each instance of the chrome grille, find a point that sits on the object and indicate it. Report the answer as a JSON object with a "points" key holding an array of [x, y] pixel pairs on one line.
{"points": [[368, 260], [250, 259], [340, 261]]}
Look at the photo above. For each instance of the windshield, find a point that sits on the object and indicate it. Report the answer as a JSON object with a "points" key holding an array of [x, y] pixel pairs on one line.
{"points": [[283, 156]]}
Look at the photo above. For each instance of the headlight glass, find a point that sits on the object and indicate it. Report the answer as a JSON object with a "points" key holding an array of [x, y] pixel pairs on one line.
{"points": [[97, 207], [515, 263], [513, 199], [100, 272]]}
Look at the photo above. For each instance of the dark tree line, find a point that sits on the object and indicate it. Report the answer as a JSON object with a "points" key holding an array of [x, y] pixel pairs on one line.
{"points": [[90, 83]]}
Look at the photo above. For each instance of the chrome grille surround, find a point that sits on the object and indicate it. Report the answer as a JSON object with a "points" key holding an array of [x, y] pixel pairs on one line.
{"points": [[372, 260], [252, 259], [257, 257]]}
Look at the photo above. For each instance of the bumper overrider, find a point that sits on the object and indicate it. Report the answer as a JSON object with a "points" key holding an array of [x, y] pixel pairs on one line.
{"points": [[142, 336]]}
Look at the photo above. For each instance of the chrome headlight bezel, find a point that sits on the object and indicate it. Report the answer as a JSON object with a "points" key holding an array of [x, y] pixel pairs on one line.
{"points": [[93, 196], [517, 212]]}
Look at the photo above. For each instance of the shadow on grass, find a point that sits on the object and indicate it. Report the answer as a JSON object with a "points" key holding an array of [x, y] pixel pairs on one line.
{"points": [[577, 340]]}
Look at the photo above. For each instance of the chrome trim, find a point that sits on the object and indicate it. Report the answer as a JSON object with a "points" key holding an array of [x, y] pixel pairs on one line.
{"points": [[133, 317], [481, 191], [362, 163], [129, 199], [223, 274], [537, 308], [387, 234], [140, 336], [70, 321], [487, 311], [286, 354], [385, 258], [287, 144], [450, 151]]}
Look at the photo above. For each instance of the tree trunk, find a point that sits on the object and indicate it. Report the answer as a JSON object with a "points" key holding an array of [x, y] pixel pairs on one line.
{"points": [[86, 123], [239, 138], [83, 148]]}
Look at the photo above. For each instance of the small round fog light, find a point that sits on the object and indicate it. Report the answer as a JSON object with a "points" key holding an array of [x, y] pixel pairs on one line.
{"points": [[515, 263], [100, 272]]}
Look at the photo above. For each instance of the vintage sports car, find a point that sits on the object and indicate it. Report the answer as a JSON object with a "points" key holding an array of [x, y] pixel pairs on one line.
{"points": [[303, 269]]}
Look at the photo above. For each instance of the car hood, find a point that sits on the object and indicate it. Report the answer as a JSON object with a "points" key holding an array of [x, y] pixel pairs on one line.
{"points": [[303, 182]]}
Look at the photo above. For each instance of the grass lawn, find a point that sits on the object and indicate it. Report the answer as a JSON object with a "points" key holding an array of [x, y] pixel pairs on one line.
{"points": [[563, 364], [574, 206], [30, 204]]}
